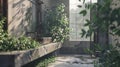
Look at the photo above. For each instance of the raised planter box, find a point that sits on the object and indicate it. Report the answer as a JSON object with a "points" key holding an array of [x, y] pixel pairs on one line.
{"points": [[46, 40], [19, 58]]}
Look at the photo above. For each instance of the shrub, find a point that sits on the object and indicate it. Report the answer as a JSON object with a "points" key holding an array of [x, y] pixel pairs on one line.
{"points": [[8, 43], [105, 19], [46, 62], [56, 23]]}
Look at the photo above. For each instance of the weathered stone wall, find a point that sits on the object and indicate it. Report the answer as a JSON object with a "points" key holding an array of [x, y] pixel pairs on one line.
{"points": [[22, 14], [21, 17], [75, 47]]}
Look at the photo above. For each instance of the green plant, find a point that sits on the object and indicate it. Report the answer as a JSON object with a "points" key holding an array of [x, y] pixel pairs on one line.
{"points": [[41, 62], [96, 51], [8, 43], [2, 32], [21, 43], [109, 57], [56, 23], [105, 19], [45, 62]]}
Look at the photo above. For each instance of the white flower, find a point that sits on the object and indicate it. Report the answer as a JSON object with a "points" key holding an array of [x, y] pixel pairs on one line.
{"points": [[108, 51]]}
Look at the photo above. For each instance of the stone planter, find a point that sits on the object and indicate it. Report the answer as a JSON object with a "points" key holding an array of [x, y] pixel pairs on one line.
{"points": [[46, 40], [19, 58]]}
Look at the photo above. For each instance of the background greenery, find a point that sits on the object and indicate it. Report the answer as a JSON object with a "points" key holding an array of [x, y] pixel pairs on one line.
{"points": [[56, 24]]}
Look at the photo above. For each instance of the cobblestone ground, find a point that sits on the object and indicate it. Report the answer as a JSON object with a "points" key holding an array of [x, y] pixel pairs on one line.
{"points": [[73, 61]]}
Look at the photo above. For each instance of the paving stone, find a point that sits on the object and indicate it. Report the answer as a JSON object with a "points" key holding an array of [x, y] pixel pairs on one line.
{"points": [[73, 61]]}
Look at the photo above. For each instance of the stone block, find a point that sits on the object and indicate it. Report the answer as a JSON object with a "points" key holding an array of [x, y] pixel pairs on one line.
{"points": [[19, 58]]}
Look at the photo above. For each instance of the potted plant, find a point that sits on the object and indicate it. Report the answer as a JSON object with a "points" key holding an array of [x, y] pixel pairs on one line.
{"points": [[56, 24]]}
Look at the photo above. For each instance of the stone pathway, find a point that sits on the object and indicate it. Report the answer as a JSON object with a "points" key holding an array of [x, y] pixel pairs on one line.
{"points": [[73, 61]]}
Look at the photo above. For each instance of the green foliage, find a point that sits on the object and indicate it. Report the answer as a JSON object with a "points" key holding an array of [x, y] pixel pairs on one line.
{"points": [[56, 23], [84, 12], [21, 43], [97, 48], [2, 35], [42, 61], [109, 57], [45, 62], [8, 43], [105, 19]]}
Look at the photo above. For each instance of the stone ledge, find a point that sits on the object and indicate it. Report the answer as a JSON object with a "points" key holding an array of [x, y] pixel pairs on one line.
{"points": [[19, 58]]}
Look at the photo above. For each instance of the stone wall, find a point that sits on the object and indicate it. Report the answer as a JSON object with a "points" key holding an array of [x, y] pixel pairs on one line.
{"points": [[21, 17], [75, 47]]}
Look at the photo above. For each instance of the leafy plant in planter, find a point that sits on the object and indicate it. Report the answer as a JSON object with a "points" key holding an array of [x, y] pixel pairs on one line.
{"points": [[106, 19], [56, 23], [8, 43], [21, 43]]}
